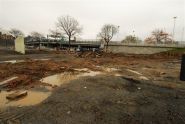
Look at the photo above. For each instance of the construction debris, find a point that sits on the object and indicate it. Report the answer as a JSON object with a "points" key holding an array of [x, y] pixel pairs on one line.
{"points": [[89, 54], [135, 72], [143, 78], [5, 83], [16, 95], [123, 93]]}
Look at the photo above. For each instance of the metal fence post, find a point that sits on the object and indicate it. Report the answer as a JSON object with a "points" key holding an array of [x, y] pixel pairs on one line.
{"points": [[182, 72]]}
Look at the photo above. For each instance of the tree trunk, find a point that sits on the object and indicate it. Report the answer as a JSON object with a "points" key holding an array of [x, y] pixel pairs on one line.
{"points": [[107, 46], [39, 44], [69, 42], [6, 43]]}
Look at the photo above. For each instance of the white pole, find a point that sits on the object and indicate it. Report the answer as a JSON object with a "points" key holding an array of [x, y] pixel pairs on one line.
{"points": [[118, 33], [174, 28]]}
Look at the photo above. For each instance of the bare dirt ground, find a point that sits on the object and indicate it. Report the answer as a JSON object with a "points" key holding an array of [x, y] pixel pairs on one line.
{"points": [[142, 89]]}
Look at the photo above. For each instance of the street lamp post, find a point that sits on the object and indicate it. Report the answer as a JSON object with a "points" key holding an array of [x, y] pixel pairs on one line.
{"points": [[174, 28]]}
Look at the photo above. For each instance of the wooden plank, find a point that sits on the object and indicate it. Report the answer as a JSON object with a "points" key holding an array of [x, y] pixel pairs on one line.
{"points": [[7, 81]]}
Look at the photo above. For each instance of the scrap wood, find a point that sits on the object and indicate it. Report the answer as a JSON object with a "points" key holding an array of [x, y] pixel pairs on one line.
{"points": [[5, 83]]}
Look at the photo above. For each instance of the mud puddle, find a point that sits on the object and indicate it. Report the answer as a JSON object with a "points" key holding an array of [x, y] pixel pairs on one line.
{"points": [[19, 61], [39, 93], [33, 97], [108, 69], [59, 79], [12, 61]]}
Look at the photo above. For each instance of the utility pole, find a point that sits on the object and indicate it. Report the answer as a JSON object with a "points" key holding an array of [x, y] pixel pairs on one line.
{"points": [[174, 28]]}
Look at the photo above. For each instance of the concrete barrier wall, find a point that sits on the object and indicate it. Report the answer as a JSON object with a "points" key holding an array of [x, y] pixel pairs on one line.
{"points": [[19, 45], [136, 49]]}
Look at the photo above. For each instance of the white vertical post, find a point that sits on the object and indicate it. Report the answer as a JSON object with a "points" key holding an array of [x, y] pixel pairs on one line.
{"points": [[174, 28]]}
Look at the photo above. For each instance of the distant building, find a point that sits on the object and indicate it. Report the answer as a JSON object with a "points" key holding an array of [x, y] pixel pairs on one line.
{"points": [[6, 40]]}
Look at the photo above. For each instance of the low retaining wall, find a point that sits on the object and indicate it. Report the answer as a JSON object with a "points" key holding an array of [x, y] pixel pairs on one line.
{"points": [[137, 49]]}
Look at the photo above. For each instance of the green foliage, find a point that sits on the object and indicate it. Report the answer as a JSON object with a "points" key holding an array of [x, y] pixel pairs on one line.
{"points": [[131, 39], [179, 49]]}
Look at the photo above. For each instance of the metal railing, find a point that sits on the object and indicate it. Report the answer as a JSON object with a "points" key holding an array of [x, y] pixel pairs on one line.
{"points": [[114, 43], [178, 45]]}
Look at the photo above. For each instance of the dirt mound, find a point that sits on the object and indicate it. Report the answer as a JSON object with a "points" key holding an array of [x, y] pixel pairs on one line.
{"points": [[30, 72], [101, 54], [89, 54]]}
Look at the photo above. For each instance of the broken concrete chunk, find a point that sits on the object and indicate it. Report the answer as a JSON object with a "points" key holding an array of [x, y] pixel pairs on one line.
{"points": [[19, 45], [135, 72], [143, 78], [162, 73], [16, 95]]}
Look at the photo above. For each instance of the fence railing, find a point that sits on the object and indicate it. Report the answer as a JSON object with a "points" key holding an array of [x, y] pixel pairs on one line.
{"points": [[116, 43], [178, 45]]}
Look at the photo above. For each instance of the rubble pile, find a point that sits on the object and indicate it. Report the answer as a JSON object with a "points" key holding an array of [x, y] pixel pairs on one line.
{"points": [[89, 54], [100, 54], [28, 73]]}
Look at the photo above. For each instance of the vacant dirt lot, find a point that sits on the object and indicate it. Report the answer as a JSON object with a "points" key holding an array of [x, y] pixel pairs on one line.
{"points": [[129, 90]]}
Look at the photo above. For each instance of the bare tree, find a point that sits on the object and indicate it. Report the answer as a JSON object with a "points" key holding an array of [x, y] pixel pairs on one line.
{"points": [[15, 32], [159, 36], [69, 26], [131, 39], [107, 33], [37, 36], [55, 34], [150, 40]]}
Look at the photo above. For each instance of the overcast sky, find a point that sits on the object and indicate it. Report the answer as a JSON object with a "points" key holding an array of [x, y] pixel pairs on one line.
{"points": [[142, 16]]}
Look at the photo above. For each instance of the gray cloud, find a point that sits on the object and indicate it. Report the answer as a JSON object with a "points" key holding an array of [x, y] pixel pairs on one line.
{"points": [[140, 15]]}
